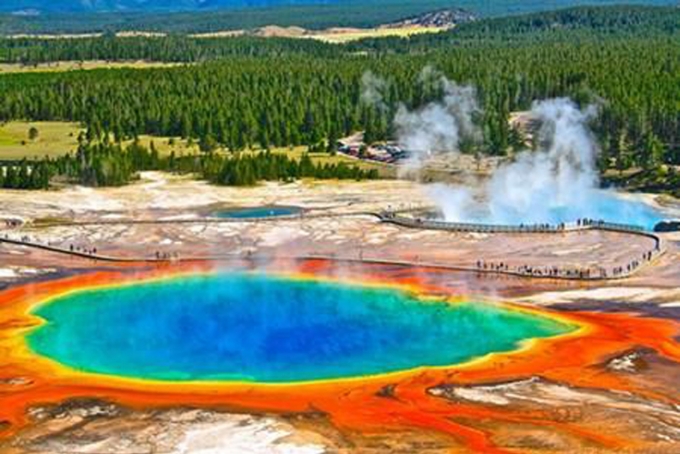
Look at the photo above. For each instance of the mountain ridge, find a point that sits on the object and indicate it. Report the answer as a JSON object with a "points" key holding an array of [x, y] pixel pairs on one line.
{"points": [[88, 6], [39, 7]]}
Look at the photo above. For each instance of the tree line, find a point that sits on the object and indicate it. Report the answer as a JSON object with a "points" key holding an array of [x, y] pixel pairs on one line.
{"points": [[349, 13], [26, 175], [172, 48], [625, 59], [108, 164], [582, 24], [247, 102]]}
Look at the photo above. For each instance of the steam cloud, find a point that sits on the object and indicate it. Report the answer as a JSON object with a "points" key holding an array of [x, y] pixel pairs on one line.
{"points": [[441, 126], [372, 89], [555, 183]]}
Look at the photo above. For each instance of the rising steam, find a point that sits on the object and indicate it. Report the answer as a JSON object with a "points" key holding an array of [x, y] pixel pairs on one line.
{"points": [[557, 182], [372, 90], [441, 126], [554, 183], [560, 176]]}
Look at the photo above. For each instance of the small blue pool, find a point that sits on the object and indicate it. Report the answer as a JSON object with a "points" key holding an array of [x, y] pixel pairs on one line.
{"points": [[258, 212]]}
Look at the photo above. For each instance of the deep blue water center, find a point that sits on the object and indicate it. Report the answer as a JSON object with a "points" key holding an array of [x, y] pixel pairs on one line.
{"points": [[258, 212], [269, 329]]}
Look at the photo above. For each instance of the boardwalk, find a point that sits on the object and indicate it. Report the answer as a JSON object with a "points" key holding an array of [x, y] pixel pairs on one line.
{"points": [[463, 227], [326, 257], [621, 271], [482, 267]]}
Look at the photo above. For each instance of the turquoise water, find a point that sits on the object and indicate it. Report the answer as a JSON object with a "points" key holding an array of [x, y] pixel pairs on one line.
{"points": [[598, 205], [258, 212], [611, 208], [269, 329]]}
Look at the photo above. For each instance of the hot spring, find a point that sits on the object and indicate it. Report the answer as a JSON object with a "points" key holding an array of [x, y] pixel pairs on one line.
{"points": [[263, 328], [258, 212], [609, 206]]}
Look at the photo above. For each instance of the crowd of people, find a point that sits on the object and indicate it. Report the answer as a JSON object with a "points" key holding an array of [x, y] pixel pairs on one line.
{"points": [[540, 271], [167, 256], [81, 250], [634, 264], [13, 223], [569, 272], [586, 222], [581, 223], [72, 247]]}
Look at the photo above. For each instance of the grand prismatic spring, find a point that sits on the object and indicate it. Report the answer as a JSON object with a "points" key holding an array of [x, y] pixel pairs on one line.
{"points": [[392, 341], [266, 329]]}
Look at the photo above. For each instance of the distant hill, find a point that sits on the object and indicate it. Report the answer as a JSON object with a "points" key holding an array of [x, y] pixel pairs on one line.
{"points": [[440, 19], [481, 7], [63, 6], [208, 16]]}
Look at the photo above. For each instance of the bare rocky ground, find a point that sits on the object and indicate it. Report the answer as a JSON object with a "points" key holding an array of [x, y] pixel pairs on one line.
{"points": [[541, 417], [335, 224], [93, 426], [541, 403]]}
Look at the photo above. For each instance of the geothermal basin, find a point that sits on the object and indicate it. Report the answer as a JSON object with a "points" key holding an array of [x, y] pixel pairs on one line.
{"points": [[271, 329], [77, 335]]}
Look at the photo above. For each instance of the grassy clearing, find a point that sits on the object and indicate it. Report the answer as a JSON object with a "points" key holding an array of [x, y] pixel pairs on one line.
{"points": [[181, 147], [325, 158], [58, 138], [331, 35], [63, 66], [54, 139], [339, 36], [165, 147]]}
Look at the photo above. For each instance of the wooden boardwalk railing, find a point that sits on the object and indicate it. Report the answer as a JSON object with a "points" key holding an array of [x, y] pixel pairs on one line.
{"points": [[536, 272], [430, 224]]}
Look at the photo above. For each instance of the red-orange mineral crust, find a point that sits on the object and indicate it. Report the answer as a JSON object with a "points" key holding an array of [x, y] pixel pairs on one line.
{"points": [[355, 404]]}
